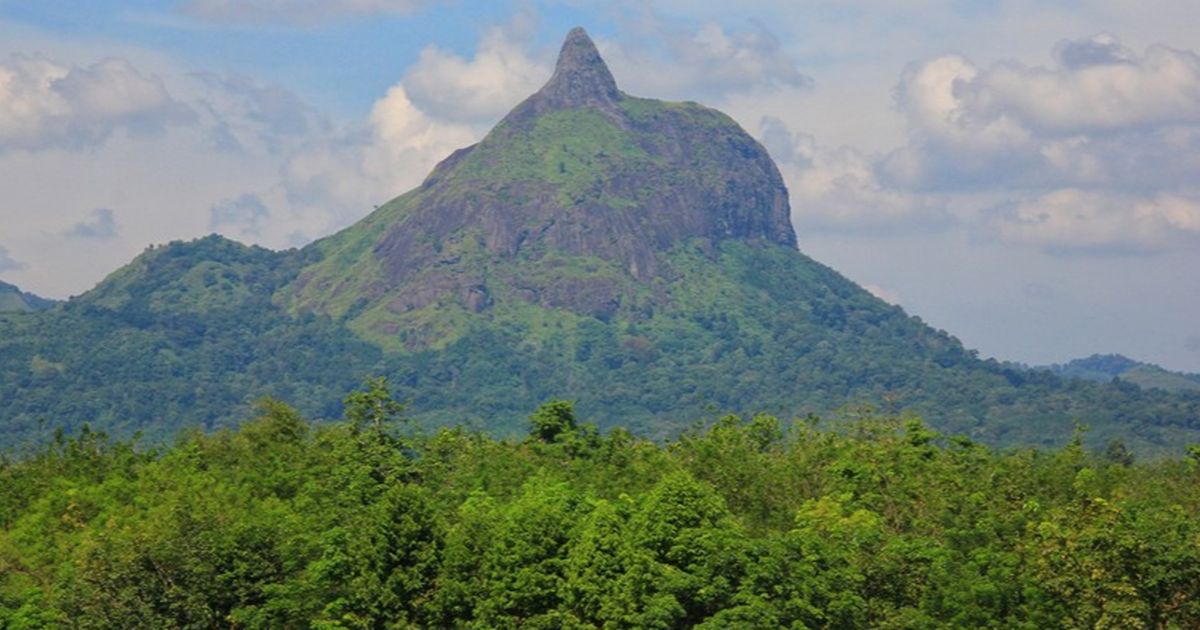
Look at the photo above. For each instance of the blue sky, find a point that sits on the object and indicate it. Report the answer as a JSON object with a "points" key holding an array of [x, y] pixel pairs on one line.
{"points": [[1025, 175]]}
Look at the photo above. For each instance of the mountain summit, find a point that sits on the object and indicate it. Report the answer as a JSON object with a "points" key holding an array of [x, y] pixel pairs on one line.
{"points": [[581, 79], [578, 170]]}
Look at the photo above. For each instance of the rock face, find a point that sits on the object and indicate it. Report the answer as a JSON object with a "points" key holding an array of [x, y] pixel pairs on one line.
{"points": [[578, 170], [581, 79]]}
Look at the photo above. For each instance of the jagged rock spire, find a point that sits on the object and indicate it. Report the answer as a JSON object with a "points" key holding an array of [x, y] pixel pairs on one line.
{"points": [[581, 79]]}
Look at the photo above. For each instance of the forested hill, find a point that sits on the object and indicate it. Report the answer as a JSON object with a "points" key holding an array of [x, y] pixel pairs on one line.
{"points": [[633, 255], [362, 524]]}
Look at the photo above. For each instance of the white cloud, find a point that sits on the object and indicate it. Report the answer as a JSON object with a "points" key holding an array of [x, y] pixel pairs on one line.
{"points": [[45, 104], [101, 226], [347, 173], [1095, 92], [248, 115], [1097, 153], [485, 87], [1098, 50], [668, 60], [1073, 123], [737, 59], [294, 12], [838, 188], [7, 262], [244, 215], [162, 147], [1073, 221]]}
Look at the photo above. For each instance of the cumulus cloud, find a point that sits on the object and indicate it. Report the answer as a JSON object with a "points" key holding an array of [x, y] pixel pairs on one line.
{"points": [[101, 226], [248, 115], [738, 59], [485, 87], [45, 104], [245, 215], [838, 188], [1073, 221], [1097, 152], [671, 61], [293, 12], [362, 166], [7, 263], [1103, 49], [1075, 121]]}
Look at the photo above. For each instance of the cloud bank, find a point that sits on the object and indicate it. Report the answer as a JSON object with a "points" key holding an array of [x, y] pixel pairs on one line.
{"points": [[7, 262], [102, 226], [1093, 154], [44, 104]]}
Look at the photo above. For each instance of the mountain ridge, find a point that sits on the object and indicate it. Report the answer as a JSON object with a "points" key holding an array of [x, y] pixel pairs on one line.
{"points": [[1106, 367]]}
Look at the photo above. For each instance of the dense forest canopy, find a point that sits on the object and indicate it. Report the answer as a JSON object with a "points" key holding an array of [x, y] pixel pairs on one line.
{"points": [[371, 523]]}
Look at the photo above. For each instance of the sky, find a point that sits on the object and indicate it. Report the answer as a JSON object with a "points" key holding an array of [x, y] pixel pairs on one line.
{"points": [[1023, 174]]}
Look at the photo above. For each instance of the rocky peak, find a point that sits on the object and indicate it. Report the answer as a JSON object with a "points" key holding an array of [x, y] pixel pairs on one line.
{"points": [[574, 201], [581, 79]]}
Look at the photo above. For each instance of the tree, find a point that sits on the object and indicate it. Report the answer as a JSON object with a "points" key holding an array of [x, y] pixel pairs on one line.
{"points": [[372, 407], [552, 420]]}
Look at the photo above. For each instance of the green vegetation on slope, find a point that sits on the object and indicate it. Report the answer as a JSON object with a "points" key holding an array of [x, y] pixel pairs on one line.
{"points": [[752, 329], [364, 524], [186, 335]]}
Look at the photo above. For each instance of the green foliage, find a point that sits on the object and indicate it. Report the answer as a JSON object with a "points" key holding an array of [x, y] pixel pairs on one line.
{"points": [[744, 524], [553, 420], [372, 408]]}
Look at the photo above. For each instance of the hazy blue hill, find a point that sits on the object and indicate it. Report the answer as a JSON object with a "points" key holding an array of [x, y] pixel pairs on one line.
{"points": [[633, 255], [13, 299], [1103, 368]]}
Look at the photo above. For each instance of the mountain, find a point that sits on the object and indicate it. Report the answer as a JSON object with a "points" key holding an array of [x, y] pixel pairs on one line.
{"points": [[14, 299], [571, 205], [631, 254], [1103, 368]]}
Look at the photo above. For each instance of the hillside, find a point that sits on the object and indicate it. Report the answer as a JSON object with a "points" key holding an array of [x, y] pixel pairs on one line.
{"points": [[633, 255], [185, 335]]}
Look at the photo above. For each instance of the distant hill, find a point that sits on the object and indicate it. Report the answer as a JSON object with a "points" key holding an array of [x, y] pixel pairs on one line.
{"points": [[633, 255], [1102, 368], [14, 299]]}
